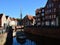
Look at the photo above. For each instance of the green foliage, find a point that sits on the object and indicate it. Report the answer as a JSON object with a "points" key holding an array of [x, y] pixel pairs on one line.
{"points": [[18, 19]]}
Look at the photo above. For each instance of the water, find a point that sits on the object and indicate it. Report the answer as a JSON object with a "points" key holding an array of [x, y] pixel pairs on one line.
{"points": [[26, 42], [34, 40]]}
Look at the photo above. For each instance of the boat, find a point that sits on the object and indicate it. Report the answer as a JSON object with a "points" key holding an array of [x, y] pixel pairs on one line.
{"points": [[20, 35], [21, 41]]}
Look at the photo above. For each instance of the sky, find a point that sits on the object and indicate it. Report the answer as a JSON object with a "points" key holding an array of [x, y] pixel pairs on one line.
{"points": [[13, 8]]}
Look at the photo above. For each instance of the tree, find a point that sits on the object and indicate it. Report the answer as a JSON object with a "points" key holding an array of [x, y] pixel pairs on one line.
{"points": [[19, 21]]}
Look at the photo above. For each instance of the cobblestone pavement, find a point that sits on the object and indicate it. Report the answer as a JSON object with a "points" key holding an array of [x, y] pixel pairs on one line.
{"points": [[3, 38]]}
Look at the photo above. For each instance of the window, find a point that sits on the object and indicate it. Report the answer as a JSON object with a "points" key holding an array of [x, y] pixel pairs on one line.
{"points": [[39, 11], [38, 23], [57, 21], [54, 0], [47, 23], [50, 16], [59, 6], [45, 12], [50, 11], [38, 19], [43, 18], [53, 23], [38, 15], [47, 6], [50, 5], [46, 17], [42, 23], [54, 9], [42, 10], [42, 14], [54, 16]]}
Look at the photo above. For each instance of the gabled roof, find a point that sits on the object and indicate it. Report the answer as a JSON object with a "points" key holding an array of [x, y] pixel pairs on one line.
{"points": [[30, 17], [7, 17], [1, 16]]}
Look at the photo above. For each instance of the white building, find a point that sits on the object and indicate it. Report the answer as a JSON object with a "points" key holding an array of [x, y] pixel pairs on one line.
{"points": [[2, 20]]}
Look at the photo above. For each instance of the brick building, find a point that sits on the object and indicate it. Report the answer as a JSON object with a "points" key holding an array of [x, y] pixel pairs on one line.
{"points": [[40, 15], [52, 12], [48, 15]]}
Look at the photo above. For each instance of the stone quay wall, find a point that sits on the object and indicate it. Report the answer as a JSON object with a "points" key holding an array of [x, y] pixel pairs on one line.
{"points": [[53, 32]]}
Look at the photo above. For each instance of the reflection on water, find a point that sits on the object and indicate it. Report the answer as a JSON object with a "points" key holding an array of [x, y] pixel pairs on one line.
{"points": [[34, 41], [31, 40], [23, 42], [9, 39]]}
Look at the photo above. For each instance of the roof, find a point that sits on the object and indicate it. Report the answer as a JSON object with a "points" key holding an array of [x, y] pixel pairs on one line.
{"points": [[1, 16], [30, 17], [7, 17]]}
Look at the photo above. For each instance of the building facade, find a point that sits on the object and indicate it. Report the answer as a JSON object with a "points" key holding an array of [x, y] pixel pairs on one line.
{"points": [[52, 12], [28, 20], [13, 22], [2, 20], [48, 16], [40, 16]]}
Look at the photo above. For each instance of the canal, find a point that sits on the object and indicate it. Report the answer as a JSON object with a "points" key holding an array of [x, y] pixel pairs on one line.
{"points": [[33, 40], [25, 42], [36, 40], [30, 40]]}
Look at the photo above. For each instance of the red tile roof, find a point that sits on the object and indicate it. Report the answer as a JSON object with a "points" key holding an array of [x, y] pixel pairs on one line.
{"points": [[30, 17]]}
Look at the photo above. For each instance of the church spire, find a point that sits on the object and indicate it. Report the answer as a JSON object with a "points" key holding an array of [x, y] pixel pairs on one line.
{"points": [[20, 13], [20, 16]]}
